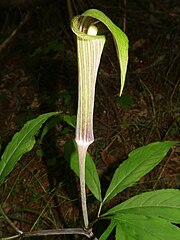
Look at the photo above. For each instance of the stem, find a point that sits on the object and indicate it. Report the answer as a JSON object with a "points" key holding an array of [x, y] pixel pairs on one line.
{"points": [[52, 232], [82, 150], [7, 42], [99, 211]]}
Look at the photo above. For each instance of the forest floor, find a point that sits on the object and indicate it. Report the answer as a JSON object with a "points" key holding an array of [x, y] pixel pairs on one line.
{"points": [[38, 74]]}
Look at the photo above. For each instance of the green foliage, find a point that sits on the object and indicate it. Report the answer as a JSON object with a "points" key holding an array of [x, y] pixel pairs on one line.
{"points": [[145, 216], [24, 140], [21, 143], [70, 120], [140, 162], [137, 227], [161, 203], [152, 222], [149, 215], [108, 230], [92, 179], [125, 101]]}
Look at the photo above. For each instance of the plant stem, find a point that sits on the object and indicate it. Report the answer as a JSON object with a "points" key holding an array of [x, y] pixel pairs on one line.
{"points": [[52, 232], [82, 150], [99, 211]]}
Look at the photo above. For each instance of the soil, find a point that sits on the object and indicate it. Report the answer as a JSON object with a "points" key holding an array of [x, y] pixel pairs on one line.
{"points": [[38, 74]]}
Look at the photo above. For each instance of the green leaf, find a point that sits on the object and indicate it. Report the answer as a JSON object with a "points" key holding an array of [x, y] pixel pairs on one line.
{"points": [[91, 175], [21, 143], [125, 101], [124, 232], [147, 228], [108, 231], [120, 38], [71, 120], [49, 125], [140, 162], [160, 203]]}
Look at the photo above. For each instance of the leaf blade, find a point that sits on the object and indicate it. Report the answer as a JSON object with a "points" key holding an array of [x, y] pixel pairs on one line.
{"points": [[148, 228], [21, 143], [160, 203], [124, 232], [108, 230], [140, 161]]}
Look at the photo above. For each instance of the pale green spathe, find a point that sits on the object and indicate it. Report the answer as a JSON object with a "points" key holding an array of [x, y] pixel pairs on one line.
{"points": [[89, 51]]}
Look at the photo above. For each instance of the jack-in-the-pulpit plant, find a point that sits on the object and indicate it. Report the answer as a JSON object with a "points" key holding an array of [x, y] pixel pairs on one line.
{"points": [[89, 50], [152, 215], [89, 54]]}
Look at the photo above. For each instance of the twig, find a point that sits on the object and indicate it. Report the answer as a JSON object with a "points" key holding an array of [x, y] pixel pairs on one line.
{"points": [[124, 16], [6, 43], [12, 237], [10, 222], [43, 211], [151, 97], [172, 64], [70, 10]]}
